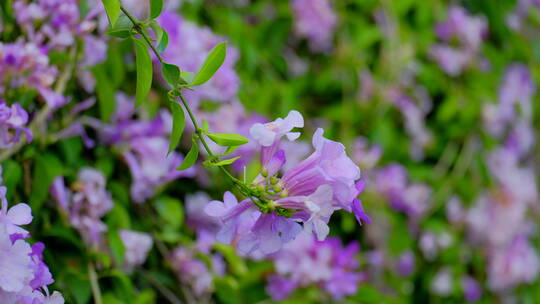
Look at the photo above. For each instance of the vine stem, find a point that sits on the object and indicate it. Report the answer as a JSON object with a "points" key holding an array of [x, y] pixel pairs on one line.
{"points": [[96, 292]]}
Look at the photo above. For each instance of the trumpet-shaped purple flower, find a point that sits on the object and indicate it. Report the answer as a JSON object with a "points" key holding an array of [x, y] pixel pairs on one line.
{"points": [[13, 121], [310, 191], [23, 274]]}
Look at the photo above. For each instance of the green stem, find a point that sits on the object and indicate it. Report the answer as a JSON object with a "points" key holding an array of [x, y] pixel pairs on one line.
{"points": [[96, 292], [257, 200], [140, 30]]}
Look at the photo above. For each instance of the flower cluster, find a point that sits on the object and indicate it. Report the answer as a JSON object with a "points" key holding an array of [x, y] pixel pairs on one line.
{"points": [[307, 262], [308, 192], [316, 21], [13, 121], [85, 204], [144, 145], [23, 274], [468, 31]]}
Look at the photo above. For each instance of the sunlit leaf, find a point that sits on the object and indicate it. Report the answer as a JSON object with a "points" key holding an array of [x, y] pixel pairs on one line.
{"points": [[213, 61], [228, 139], [144, 71], [178, 125], [112, 8]]}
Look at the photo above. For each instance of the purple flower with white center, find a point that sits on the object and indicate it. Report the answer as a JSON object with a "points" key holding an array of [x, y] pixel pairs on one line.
{"points": [[188, 46], [471, 289], [86, 204], [269, 133], [137, 245], [307, 262], [316, 21]]}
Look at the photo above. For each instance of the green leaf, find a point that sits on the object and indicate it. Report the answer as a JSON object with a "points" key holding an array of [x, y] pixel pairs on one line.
{"points": [[116, 246], [112, 7], [205, 126], [228, 139], [47, 168], [122, 28], [178, 125], [213, 61], [105, 92], [229, 150], [187, 76], [170, 210], [144, 72], [191, 157], [226, 161], [171, 73], [156, 6], [163, 42]]}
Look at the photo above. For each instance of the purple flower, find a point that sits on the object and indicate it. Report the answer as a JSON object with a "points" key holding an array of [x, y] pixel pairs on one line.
{"points": [[469, 31], [307, 262], [137, 245], [16, 216], [267, 134], [405, 264], [513, 264], [471, 289], [442, 282], [13, 121], [86, 204], [316, 21], [15, 262], [191, 271], [410, 198]]}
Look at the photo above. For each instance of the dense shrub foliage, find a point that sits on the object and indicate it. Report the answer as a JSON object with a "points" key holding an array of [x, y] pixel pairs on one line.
{"points": [[292, 151]]}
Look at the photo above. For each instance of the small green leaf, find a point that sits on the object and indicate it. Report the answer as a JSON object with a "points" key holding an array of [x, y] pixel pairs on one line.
{"points": [[187, 76], [122, 28], [226, 161], [228, 139], [205, 126], [170, 210], [144, 72], [112, 8], [178, 125], [105, 92], [171, 73], [191, 157], [230, 150], [156, 6], [163, 42], [116, 246], [213, 61]]}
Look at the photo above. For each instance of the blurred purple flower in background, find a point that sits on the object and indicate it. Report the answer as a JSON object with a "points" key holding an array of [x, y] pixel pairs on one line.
{"points": [[316, 21], [308, 262]]}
